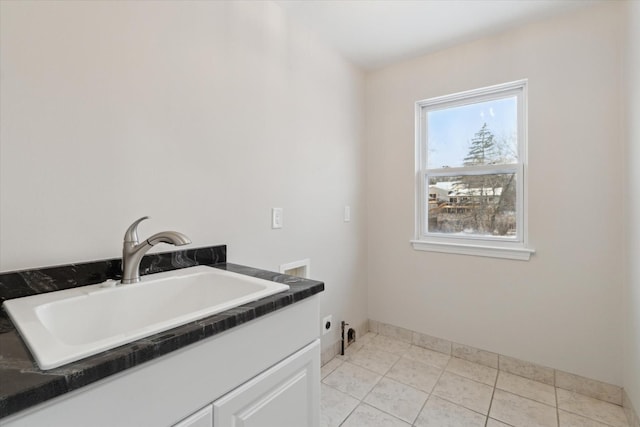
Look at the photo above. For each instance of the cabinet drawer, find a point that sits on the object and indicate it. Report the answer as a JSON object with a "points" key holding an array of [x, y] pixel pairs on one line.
{"points": [[285, 395]]}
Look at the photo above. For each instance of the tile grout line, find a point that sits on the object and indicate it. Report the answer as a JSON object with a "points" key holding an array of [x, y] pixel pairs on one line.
{"points": [[444, 370], [361, 401], [555, 392], [351, 412], [583, 415], [383, 411], [421, 409], [493, 393], [401, 356], [429, 394]]}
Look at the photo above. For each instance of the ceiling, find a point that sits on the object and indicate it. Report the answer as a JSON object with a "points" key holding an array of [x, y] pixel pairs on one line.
{"points": [[376, 33]]}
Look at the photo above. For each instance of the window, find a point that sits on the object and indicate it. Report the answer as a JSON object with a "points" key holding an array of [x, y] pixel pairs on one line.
{"points": [[471, 173]]}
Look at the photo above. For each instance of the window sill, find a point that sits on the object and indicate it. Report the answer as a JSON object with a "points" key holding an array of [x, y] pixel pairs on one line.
{"points": [[521, 254]]}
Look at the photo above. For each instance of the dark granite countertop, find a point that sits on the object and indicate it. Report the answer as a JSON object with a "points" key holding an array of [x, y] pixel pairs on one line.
{"points": [[23, 384]]}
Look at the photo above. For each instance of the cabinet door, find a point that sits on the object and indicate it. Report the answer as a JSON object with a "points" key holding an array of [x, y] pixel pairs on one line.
{"points": [[285, 395], [202, 418]]}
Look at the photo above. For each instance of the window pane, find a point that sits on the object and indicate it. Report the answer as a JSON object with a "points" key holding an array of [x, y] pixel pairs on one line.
{"points": [[473, 205], [483, 133]]}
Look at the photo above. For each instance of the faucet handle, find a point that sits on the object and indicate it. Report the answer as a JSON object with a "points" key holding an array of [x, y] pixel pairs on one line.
{"points": [[131, 235]]}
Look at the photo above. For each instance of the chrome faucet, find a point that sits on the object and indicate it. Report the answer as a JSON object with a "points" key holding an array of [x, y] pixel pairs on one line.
{"points": [[132, 251]]}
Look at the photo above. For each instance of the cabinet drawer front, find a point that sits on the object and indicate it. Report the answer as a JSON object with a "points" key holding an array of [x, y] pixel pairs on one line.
{"points": [[285, 395]]}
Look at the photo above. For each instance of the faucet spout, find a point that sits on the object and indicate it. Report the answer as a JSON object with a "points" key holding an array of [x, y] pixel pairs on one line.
{"points": [[171, 237], [133, 251]]}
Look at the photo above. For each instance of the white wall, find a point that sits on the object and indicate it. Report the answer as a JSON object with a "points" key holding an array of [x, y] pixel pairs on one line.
{"points": [[632, 297], [203, 115], [563, 307]]}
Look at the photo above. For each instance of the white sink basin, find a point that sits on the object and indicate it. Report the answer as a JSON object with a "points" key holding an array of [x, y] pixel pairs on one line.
{"points": [[65, 326]]}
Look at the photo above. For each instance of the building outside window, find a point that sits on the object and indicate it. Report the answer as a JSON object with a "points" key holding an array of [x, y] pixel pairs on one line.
{"points": [[471, 167]]}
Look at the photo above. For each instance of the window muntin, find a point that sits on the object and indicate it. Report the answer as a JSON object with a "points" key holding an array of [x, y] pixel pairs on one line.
{"points": [[470, 164]]}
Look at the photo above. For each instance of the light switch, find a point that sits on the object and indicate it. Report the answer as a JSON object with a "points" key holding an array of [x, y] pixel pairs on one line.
{"points": [[276, 217], [347, 213]]}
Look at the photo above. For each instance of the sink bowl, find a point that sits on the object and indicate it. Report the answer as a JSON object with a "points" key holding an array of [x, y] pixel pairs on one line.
{"points": [[65, 326]]}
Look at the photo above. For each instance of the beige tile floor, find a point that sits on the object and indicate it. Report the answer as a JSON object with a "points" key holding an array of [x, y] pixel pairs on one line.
{"points": [[387, 383]]}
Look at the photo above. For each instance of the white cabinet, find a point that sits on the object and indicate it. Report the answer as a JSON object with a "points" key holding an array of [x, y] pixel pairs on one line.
{"points": [[202, 418], [256, 375], [285, 395]]}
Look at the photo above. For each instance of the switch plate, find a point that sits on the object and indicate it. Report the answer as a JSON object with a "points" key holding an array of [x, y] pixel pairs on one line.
{"points": [[327, 324], [276, 217], [347, 213]]}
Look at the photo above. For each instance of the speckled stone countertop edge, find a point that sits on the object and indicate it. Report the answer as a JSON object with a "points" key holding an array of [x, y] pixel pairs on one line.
{"points": [[23, 385]]}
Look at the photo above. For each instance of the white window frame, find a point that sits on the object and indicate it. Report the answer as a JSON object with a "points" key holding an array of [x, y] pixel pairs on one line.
{"points": [[488, 246]]}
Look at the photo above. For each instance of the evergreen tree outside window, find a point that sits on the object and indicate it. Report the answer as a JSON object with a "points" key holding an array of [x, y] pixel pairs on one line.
{"points": [[471, 173]]}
